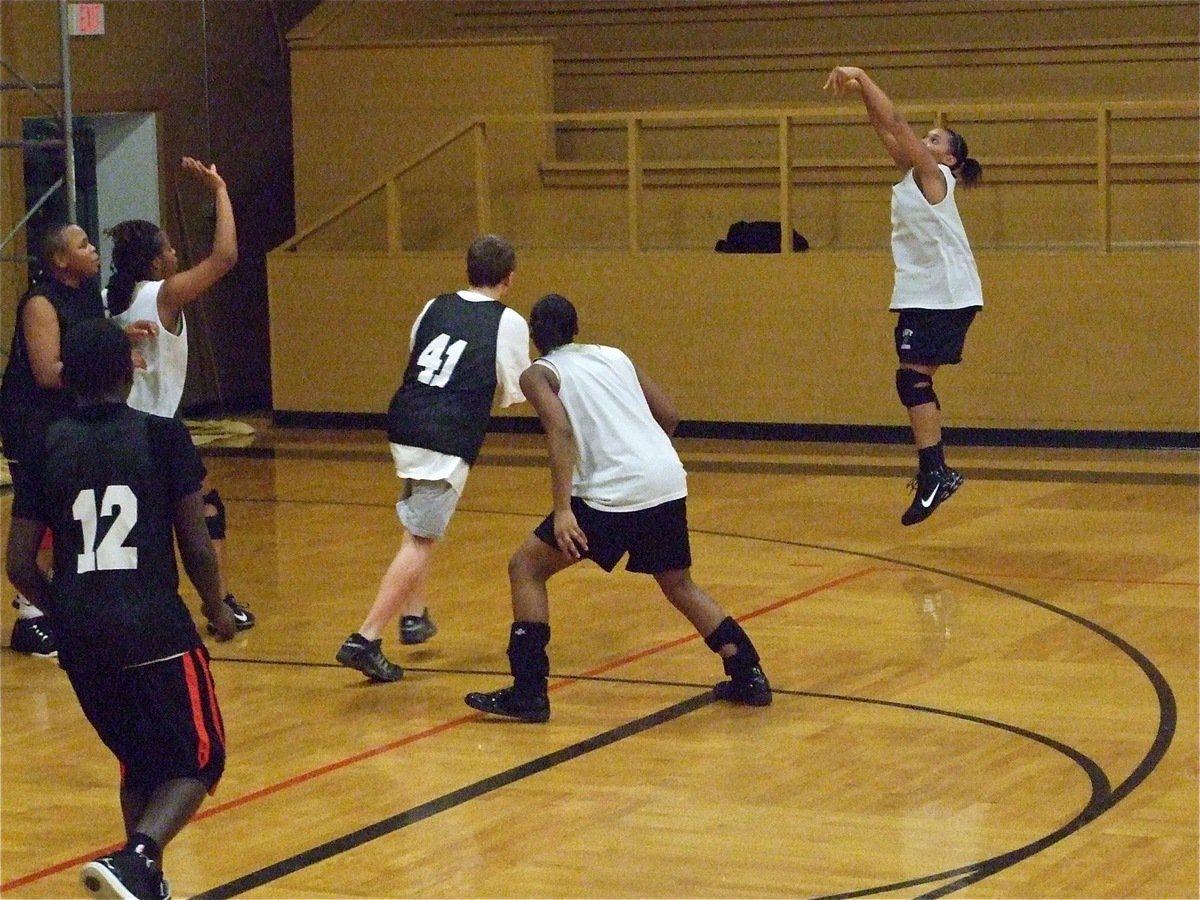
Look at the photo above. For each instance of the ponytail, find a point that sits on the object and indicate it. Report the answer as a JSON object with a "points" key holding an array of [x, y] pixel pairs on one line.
{"points": [[966, 169], [136, 243], [969, 172]]}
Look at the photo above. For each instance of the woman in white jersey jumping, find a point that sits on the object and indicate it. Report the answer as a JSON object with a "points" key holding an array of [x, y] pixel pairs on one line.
{"points": [[146, 284], [937, 291]]}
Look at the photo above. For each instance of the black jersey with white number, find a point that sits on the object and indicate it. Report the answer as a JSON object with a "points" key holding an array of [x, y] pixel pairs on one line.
{"points": [[107, 481], [445, 401]]}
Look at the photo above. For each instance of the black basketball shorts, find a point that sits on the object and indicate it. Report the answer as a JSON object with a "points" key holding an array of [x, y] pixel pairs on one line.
{"points": [[933, 337], [160, 720], [656, 539]]}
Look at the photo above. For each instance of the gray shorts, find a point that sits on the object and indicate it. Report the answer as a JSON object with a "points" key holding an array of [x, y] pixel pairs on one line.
{"points": [[426, 507]]}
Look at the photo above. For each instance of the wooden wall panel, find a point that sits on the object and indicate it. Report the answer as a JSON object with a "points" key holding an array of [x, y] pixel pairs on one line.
{"points": [[1069, 340], [360, 112]]}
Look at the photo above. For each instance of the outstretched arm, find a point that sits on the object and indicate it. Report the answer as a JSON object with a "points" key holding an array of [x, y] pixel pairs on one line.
{"points": [[901, 142], [183, 287], [540, 387]]}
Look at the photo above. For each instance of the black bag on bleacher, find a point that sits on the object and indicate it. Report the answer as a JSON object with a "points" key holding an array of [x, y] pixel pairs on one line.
{"points": [[757, 237]]}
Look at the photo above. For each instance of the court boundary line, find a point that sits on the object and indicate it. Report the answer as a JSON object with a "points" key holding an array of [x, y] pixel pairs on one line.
{"points": [[972, 874], [337, 765]]}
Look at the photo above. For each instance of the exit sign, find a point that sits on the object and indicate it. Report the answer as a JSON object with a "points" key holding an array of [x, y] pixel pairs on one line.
{"points": [[86, 18]]}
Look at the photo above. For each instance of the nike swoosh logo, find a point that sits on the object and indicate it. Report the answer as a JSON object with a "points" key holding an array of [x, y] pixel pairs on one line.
{"points": [[926, 502]]}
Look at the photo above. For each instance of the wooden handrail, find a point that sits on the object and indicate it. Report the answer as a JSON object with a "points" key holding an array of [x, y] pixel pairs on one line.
{"points": [[377, 186], [636, 123]]}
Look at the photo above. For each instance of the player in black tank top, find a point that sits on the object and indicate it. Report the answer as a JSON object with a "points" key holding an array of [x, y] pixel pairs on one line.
{"points": [[31, 394], [445, 401], [464, 346]]}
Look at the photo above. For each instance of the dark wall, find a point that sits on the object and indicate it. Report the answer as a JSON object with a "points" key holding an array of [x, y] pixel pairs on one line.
{"points": [[250, 123], [216, 74]]}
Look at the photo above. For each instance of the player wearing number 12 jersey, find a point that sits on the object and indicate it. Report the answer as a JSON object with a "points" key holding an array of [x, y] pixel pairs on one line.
{"points": [[117, 486], [465, 347]]}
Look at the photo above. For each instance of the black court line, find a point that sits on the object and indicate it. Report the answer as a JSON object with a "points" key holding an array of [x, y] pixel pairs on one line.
{"points": [[1103, 797], [1101, 802], [447, 801], [756, 467]]}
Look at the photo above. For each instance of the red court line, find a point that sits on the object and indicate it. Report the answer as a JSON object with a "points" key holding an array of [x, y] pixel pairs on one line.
{"points": [[420, 735]]}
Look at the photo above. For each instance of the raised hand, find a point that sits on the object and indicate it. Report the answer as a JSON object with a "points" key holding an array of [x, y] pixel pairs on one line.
{"points": [[843, 80], [207, 174]]}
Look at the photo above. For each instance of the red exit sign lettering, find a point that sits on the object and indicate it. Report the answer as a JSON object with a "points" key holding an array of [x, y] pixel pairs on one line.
{"points": [[86, 18]]}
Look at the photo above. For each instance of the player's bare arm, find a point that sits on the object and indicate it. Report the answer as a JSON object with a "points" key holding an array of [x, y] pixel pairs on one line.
{"points": [[540, 386], [200, 563], [661, 406], [903, 145], [24, 538]]}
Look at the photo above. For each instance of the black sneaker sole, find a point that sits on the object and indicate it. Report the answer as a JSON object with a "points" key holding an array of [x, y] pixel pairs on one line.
{"points": [[237, 626], [484, 704], [747, 695], [350, 661], [40, 654], [418, 635], [100, 881]]}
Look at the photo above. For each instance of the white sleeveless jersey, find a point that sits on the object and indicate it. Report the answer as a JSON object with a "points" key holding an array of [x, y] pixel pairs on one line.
{"points": [[158, 388], [625, 461], [935, 268]]}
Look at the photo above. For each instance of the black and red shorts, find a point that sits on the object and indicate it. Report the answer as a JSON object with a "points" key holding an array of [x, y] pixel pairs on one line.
{"points": [[161, 720]]}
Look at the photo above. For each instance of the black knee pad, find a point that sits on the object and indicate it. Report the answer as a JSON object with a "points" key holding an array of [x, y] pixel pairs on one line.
{"points": [[915, 388], [215, 521], [730, 632]]}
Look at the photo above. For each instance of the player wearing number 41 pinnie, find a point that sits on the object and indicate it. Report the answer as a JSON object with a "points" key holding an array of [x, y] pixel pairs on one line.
{"points": [[465, 348]]}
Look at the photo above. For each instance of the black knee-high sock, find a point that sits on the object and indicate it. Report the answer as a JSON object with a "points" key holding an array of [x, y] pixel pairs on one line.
{"points": [[145, 845], [527, 656], [931, 458], [730, 632]]}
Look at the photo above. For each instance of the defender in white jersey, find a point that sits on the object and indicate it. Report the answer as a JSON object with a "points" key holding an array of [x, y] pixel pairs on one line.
{"points": [[147, 285], [937, 291], [618, 488]]}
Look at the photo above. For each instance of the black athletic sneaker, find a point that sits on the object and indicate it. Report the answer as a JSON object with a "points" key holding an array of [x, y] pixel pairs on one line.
{"points": [[752, 690], [417, 629], [33, 636], [125, 875], [932, 489], [508, 702], [367, 656], [243, 619]]}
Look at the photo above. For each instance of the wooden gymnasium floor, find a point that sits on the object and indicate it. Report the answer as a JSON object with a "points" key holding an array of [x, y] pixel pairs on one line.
{"points": [[1000, 702]]}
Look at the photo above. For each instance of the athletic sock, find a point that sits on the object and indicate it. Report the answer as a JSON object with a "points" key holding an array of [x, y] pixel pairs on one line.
{"points": [[527, 656], [931, 458], [25, 609], [145, 845]]}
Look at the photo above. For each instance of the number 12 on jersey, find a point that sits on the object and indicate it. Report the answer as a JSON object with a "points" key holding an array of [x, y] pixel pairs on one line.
{"points": [[111, 552], [437, 360]]}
